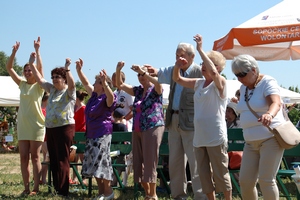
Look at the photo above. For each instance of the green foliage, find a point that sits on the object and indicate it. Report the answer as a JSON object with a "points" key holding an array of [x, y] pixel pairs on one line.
{"points": [[3, 61], [224, 76], [294, 114], [10, 113], [79, 86]]}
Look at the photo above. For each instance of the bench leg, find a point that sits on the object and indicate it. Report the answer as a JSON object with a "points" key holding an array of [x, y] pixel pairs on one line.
{"points": [[161, 174], [235, 183], [78, 176], [284, 190]]}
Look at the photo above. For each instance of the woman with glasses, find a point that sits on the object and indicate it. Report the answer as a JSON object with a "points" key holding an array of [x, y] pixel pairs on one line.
{"points": [[148, 126], [30, 126], [99, 128], [263, 96], [210, 138], [60, 123]]}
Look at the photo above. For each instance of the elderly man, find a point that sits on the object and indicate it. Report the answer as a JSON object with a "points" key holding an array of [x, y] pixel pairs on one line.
{"points": [[179, 121]]}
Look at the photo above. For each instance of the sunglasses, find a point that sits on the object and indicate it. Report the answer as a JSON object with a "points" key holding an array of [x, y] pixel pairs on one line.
{"points": [[55, 77], [242, 74]]}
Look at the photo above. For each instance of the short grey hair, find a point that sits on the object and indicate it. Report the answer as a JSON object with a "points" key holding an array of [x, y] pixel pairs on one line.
{"points": [[243, 63], [189, 48]]}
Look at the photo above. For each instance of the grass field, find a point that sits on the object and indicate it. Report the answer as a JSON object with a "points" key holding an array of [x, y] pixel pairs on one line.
{"points": [[11, 184]]}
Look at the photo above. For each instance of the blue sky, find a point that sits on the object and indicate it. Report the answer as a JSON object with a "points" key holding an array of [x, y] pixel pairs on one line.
{"points": [[137, 32]]}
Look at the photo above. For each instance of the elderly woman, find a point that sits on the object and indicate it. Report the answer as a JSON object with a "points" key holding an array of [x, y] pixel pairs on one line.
{"points": [[31, 121], [210, 139], [263, 95], [148, 126], [60, 123], [98, 111]]}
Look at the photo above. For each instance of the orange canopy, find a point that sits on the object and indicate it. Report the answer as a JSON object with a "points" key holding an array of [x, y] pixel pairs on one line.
{"points": [[271, 35]]}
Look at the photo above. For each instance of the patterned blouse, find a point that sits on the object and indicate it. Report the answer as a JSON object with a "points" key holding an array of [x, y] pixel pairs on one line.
{"points": [[151, 114]]}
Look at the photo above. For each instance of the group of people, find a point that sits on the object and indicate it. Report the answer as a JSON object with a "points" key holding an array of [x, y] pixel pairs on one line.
{"points": [[197, 119]]}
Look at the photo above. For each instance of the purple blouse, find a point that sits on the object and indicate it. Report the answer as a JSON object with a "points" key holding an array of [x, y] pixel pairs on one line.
{"points": [[151, 108], [98, 116]]}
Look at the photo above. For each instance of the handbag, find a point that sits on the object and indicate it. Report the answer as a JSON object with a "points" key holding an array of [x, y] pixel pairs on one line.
{"points": [[235, 159], [286, 134]]}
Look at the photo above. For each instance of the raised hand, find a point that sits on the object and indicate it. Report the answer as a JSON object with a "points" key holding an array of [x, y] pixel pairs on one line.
{"points": [[151, 70], [181, 62], [37, 43], [68, 63], [198, 40], [103, 76], [120, 65], [137, 69], [79, 64], [16, 47], [32, 58]]}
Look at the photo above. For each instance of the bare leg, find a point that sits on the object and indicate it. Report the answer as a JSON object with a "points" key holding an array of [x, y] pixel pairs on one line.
{"points": [[228, 195], [24, 160], [211, 196], [150, 189], [100, 186], [35, 149]]}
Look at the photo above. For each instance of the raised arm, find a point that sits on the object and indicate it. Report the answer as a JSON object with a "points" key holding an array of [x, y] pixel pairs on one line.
{"points": [[152, 79], [214, 73], [127, 88], [10, 63], [185, 82], [70, 79], [109, 93], [39, 64], [38, 77], [86, 84]]}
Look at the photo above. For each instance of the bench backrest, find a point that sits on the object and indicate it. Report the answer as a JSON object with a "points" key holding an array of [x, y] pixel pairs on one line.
{"points": [[235, 139], [121, 141], [79, 140], [164, 146]]}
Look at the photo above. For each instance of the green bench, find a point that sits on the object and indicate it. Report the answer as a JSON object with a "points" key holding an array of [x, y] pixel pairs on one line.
{"points": [[235, 143]]}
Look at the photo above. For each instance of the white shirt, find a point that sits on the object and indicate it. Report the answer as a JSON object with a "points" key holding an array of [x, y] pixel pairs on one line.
{"points": [[209, 117], [126, 100], [252, 129]]}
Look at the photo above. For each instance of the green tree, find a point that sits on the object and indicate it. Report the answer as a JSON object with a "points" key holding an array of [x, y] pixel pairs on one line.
{"points": [[3, 61]]}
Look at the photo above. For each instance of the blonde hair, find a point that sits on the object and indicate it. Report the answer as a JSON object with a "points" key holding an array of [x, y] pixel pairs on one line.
{"points": [[217, 58]]}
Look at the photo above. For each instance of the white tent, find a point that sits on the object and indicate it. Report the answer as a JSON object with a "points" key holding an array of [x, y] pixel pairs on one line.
{"points": [[271, 35], [9, 92], [166, 92], [288, 96]]}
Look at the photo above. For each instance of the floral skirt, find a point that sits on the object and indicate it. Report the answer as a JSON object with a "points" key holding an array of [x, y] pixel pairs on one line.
{"points": [[96, 158]]}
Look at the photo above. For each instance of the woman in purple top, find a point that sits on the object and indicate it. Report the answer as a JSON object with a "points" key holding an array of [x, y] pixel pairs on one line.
{"points": [[97, 160], [148, 126]]}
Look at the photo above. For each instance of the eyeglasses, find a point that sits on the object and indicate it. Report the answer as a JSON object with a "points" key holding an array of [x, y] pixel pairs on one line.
{"points": [[242, 74], [55, 77]]}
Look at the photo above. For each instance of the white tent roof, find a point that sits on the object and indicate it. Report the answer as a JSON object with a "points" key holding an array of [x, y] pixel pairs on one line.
{"points": [[9, 92], [288, 96]]}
